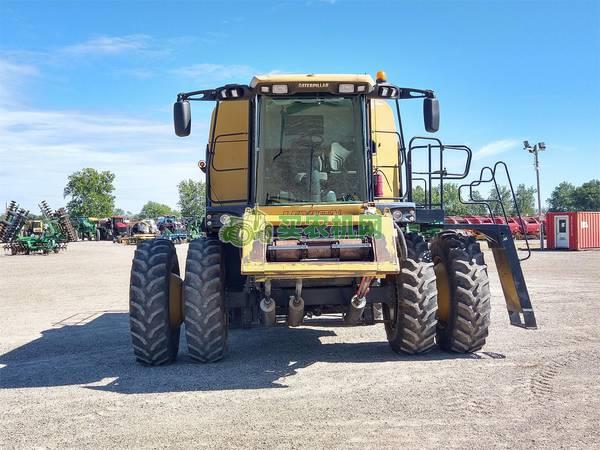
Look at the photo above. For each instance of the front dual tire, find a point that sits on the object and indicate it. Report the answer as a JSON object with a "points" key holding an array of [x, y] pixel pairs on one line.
{"points": [[441, 295], [204, 301], [154, 336], [154, 307], [410, 320]]}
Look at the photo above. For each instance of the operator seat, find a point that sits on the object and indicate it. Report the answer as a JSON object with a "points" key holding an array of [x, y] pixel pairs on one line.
{"points": [[338, 156]]}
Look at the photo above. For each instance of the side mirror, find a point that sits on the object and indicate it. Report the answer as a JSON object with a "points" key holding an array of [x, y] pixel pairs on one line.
{"points": [[182, 118], [431, 114]]}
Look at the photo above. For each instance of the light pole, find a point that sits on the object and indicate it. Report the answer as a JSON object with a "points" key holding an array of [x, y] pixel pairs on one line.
{"points": [[539, 147]]}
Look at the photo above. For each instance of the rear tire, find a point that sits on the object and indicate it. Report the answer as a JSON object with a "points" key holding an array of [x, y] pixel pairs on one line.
{"points": [[155, 341], [463, 293], [204, 300], [411, 322]]}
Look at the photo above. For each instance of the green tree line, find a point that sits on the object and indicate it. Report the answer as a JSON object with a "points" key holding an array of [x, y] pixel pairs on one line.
{"points": [[454, 206], [91, 195], [568, 197]]}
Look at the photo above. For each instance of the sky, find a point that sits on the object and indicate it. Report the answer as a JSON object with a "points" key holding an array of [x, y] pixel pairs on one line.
{"points": [[91, 83]]}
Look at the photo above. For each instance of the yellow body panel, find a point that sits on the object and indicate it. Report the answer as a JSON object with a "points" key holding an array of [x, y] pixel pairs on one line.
{"points": [[273, 213], [228, 169], [312, 78], [228, 172], [254, 255], [383, 133]]}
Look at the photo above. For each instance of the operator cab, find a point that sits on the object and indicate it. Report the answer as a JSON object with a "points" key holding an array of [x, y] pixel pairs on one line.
{"points": [[304, 140]]}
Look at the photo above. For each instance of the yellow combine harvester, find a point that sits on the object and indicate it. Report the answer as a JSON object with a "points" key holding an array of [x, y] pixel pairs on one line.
{"points": [[309, 211]]}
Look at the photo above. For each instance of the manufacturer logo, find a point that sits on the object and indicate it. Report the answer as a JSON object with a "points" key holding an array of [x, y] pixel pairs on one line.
{"points": [[313, 85]]}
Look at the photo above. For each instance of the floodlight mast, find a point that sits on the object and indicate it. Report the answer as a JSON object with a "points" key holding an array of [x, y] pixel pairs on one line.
{"points": [[540, 146]]}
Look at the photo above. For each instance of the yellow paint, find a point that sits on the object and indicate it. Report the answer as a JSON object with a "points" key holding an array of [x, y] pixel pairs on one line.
{"points": [[312, 78], [229, 163], [232, 185], [254, 257], [229, 166], [273, 213]]}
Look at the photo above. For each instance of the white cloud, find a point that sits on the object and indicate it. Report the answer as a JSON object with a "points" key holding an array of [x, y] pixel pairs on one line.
{"points": [[39, 149], [496, 147], [110, 45], [12, 77]]}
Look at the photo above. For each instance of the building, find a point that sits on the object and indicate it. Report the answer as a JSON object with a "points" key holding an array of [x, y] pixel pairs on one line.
{"points": [[573, 230]]}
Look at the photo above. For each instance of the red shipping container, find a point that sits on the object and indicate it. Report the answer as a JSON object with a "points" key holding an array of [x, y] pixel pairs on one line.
{"points": [[573, 230]]}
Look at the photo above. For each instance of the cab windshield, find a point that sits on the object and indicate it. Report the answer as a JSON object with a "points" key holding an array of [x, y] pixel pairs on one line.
{"points": [[312, 150]]}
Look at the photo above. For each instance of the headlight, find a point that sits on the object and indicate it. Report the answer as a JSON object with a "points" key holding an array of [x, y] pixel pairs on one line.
{"points": [[397, 214], [280, 89]]}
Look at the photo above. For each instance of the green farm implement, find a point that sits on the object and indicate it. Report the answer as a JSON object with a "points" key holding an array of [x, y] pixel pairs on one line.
{"points": [[87, 228], [43, 236]]}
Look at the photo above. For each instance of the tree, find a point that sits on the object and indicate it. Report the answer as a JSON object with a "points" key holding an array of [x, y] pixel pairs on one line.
{"points": [[587, 196], [503, 196], [453, 206], [561, 199], [192, 198], [459, 203], [525, 200], [91, 193], [152, 210], [567, 197]]}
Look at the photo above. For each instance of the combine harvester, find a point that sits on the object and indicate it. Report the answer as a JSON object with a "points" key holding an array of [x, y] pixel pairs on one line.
{"points": [[309, 210]]}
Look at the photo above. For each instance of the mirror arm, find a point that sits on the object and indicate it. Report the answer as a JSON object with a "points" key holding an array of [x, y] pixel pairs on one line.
{"points": [[403, 92], [207, 94]]}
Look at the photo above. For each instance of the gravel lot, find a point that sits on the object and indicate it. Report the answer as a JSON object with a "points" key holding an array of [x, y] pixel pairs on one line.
{"points": [[68, 377]]}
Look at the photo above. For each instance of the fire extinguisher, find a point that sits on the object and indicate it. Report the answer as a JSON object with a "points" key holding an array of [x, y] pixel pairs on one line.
{"points": [[378, 183]]}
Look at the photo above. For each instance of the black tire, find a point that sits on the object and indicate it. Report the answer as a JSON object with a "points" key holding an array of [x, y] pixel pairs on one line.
{"points": [[204, 300], [411, 321], [97, 235], [155, 341], [463, 288]]}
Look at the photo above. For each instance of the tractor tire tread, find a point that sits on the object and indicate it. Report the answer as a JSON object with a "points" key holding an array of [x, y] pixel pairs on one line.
{"points": [[468, 330], [154, 341], [204, 302], [417, 301]]}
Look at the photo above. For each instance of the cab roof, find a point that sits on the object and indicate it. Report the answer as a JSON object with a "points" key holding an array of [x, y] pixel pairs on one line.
{"points": [[311, 78]]}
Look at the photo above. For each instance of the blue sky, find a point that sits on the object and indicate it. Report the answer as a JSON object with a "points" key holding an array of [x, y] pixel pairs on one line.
{"points": [[91, 84]]}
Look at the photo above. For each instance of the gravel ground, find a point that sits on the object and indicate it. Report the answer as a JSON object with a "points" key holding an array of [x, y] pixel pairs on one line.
{"points": [[68, 377]]}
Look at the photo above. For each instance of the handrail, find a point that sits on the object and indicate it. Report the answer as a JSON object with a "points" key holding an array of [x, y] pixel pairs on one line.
{"points": [[486, 202]]}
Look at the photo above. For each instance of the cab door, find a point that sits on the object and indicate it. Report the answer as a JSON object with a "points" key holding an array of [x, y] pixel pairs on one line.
{"points": [[228, 158]]}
